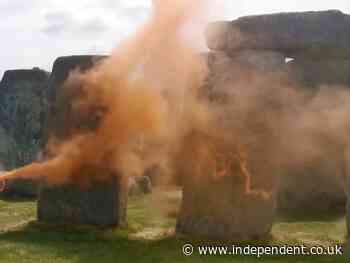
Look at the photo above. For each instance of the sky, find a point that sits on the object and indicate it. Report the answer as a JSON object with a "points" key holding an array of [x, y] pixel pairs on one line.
{"points": [[35, 32]]}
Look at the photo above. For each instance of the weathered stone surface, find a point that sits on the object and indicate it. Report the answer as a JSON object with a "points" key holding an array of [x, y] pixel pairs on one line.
{"points": [[217, 200], [229, 83], [60, 110], [309, 73], [24, 107], [234, 88], [265, 61], [226, 217], [320, 190], [229, 73], [6, 146], [258, 60], [316, 188], [103, 204], [317, 34], [12, 77], [63, 66]]}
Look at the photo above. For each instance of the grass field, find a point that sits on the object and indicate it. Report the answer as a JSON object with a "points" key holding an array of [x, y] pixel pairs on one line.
{"points": [[148, 238]]}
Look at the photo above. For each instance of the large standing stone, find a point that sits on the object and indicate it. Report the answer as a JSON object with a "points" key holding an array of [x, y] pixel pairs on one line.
{"points": [[217, 203], [227, 195], [320, 190], [62, 119], [102, 204], [24, 107], [231, 78], [235, 84], [317, 34]]}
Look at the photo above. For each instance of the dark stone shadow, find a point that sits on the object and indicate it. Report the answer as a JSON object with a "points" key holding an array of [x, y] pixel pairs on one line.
{"points": [[87, 244], [14, 198], [307, 216]]}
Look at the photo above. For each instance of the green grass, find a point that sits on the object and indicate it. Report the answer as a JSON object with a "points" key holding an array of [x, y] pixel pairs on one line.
{"points": [[148, 238]]}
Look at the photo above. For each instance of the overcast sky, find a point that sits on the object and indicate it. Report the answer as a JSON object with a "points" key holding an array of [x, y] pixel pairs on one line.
{"points": [[35, 32]]}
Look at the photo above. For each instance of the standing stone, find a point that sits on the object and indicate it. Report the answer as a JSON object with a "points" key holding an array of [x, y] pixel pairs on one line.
{"points": [[235, 85], [229, 193], [216, 202], [101, 204], [24, 108], [317, 34], [231, 77], [60, 112], [320, 190]]}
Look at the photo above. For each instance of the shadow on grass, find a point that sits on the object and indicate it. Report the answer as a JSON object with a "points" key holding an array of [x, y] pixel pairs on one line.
{"points": [[87, 244], [308, 216]]}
